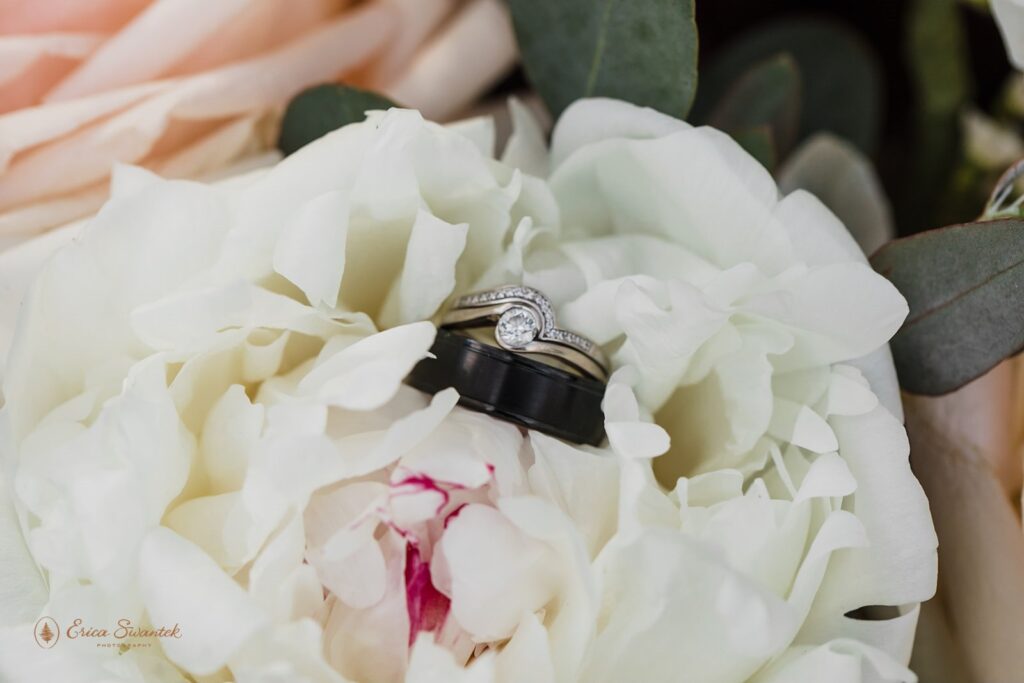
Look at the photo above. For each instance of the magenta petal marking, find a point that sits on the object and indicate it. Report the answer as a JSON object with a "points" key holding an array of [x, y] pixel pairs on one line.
{"points": [[453, 514], [421, 483], [427, 606]]}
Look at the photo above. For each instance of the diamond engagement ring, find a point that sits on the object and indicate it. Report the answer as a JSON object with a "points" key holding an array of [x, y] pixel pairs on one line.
{"points": [[524, 322]]}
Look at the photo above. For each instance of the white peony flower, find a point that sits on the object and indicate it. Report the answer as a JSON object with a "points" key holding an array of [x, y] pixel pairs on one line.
{"points": [[206, 424]]}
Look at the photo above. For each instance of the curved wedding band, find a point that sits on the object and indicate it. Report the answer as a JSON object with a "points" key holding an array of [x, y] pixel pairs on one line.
{"points": [[524, 321]]}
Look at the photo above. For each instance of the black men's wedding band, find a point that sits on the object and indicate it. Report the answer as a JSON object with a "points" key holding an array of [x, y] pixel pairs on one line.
{"points": [[513, 387]]}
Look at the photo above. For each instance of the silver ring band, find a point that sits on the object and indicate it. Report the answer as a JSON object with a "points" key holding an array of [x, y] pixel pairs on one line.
{"points": [[524, 321]]}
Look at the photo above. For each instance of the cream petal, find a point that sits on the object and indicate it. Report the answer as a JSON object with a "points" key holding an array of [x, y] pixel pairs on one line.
{"points": [[849, 393], [431, 663], [182, 585], [277, 566], [525, 148], [817, 234], [828, 476], [899, 565], [840, 660], [206, 521], [230, 432], [838, 312], [718, 204], [583, 485], [372, 644], [190, 320], [878, 368], [801, 426], [292, 652], [428, 275], [590, 120], [571, 625], [172, 227], [22, 588], [666, 580], [311, 249], [527, 655], [367, 374], [497, 572]]}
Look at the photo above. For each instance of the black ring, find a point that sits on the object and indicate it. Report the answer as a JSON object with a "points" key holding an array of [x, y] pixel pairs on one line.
{"points": [[512, 387]]}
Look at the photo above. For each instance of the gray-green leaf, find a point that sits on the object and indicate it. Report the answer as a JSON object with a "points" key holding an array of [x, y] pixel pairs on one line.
{"points": [[323, 108], [965, 287], [767, 95], [641, 52], [841, 84]]}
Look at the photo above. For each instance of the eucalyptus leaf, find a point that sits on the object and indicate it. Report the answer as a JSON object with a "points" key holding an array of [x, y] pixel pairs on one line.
{"points": [[640, 52], [965, 287], [767, 95], [317, 111], [759, 142], [841, 82]]}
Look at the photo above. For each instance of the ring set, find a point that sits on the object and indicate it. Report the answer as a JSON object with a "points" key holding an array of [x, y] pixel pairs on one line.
{"points": [[524, 322], [505, 379]]}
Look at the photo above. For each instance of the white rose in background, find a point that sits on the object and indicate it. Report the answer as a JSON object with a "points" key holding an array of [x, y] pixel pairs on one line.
{"points": [[206, 423]]}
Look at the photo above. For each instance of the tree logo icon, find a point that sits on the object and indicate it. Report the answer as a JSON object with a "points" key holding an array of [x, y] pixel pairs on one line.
{"points": [[47, 632]]}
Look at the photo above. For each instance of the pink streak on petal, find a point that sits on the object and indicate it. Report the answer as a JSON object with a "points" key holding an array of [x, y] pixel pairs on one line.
{"points": [[420, 483], [427, 607], [453, 514]]}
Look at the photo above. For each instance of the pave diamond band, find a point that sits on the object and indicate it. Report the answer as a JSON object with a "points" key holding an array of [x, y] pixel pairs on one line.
{"points": [[524, 321]]}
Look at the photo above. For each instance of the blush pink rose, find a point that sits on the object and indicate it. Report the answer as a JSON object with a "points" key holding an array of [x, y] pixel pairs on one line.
{"points": [[189, 87]]}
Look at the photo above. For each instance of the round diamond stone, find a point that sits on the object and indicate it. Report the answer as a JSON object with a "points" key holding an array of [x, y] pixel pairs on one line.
{"points": [[517, 327]]}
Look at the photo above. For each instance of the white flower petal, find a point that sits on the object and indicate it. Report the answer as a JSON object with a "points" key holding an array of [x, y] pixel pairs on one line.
{"points": [[318, 228], [428, 275], [432, 664], [367, 374], [588, 121], [667, 581], [22, 589], [181, 585], [525, 148], [497, 572], [899, 565], [801, 426]]}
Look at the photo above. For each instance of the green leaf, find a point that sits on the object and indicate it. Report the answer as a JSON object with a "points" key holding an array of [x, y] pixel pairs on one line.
{"points": [[642, 52], [317, 111], [841, 84], [965, 285], [767, 95], [760, 143]]}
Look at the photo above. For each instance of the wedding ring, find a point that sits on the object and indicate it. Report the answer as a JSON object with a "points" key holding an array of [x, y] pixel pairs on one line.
{"points": [[513, 387], [524, 322]]}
